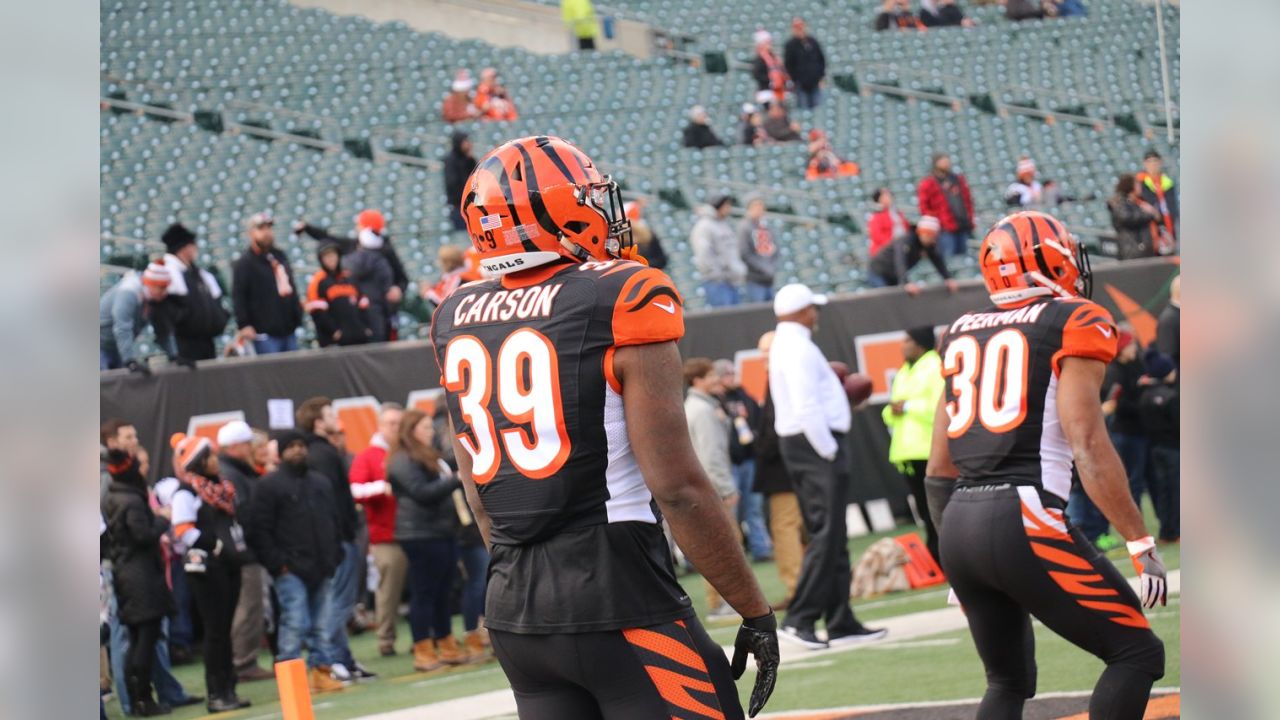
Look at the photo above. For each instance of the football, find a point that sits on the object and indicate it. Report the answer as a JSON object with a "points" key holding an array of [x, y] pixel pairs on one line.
{"points": [[858, 387], [841, 369]]}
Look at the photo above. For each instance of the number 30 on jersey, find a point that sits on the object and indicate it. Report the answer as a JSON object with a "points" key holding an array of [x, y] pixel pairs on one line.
{"points": [[987, 383], [526, 381]]}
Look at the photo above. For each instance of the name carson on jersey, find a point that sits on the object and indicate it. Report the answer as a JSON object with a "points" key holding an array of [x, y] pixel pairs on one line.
{"points": [[506, 305]]}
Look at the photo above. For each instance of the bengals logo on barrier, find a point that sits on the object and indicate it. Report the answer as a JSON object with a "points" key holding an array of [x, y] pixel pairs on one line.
{"points": [[753, 373], [358, 418], [879, 356]]}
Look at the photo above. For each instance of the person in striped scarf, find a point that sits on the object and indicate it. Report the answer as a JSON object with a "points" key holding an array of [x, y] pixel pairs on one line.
{"points": [[267, 303]]}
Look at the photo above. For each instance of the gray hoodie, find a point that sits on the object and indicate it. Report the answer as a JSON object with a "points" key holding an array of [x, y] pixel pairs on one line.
{"points": [[759, 253], [715, 249]]}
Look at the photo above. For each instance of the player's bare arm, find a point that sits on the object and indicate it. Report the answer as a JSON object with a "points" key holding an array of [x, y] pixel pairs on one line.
{"points": [[651, 395], [469, 487], [1101, 472]]}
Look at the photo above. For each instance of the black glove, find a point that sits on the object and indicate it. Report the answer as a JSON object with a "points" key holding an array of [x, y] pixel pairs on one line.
{"points": [[759, 637], [136, 367]]}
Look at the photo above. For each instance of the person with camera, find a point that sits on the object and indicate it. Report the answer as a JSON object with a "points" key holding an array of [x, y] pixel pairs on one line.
{"points": [[204, 521]]}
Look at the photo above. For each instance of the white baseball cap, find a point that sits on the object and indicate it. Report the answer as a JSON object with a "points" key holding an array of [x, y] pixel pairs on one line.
{"points": [[234, 433], [794, 298]]}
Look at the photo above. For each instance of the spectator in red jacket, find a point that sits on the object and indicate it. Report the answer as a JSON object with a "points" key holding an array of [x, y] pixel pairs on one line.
{"points": [[370, 488], [944, 194], [886, 224]]}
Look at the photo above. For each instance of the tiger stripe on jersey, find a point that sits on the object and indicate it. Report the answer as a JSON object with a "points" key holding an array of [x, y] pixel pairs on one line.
{"points": [[1049, 540], [677, 670]]}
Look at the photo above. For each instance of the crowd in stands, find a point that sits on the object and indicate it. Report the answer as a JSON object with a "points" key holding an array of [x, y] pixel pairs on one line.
{"points": [[333, 539], [468, 100]]}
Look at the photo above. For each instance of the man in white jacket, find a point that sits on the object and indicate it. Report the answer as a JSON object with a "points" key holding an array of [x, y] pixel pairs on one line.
{"points": [[715, 253]]}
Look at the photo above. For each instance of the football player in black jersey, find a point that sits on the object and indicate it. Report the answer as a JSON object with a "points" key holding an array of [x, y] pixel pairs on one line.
{"points": [[1021, 405], [564, 389]]}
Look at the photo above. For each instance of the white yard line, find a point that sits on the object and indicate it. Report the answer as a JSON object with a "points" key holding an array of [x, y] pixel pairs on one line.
{"points": [[501, 703]]}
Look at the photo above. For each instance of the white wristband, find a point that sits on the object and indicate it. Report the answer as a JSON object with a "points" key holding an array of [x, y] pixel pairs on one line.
{"points": [[1139, 546]]}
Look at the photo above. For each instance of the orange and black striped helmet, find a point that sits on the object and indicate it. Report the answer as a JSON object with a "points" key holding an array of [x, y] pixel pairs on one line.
{"points": [[1030, 254], [534, 200]]}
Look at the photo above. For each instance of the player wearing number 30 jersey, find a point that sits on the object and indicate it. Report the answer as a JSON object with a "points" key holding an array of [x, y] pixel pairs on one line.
{"points": [[564, 390], [1020, 409]]}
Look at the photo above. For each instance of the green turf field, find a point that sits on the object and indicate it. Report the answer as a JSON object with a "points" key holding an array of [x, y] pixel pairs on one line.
{"points": [[937, 667]]}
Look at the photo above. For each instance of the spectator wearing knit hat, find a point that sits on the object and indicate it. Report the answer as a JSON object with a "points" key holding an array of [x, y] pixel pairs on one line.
{"points": [[294, 533], [458, 105], [715, 253], [142, 596], [492, 99], [194, 298], [1025, 193], [374, 265], [263, 293], [205, 522], [768, 70], [698, 133], [891, 265], [338, 309], [944, 194], [123, 312], [248, 625]]}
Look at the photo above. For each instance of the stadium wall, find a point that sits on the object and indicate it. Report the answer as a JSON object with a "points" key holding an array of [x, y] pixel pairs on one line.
{"points": [[862, 330]]}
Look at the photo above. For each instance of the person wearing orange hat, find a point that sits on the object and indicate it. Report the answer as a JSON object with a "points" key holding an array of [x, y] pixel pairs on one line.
{"points": [[374, 266], [125, 310], [205, 523]]}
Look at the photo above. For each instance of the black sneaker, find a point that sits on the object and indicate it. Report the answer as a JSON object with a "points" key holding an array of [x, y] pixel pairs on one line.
{"points": [[857, 637], [360, 672], [803, 638], [226, 704]]}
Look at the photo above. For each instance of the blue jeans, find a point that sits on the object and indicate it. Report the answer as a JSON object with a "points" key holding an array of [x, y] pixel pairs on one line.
{"points": [[432, 567], [720, 294], [1164, 472], [757, 293], [109, 359], [475, 560], [341, 601], [751, 510], [1133, 450], [808, 99], [877, 281], [301, 612], [954, 244], [182, 632], [1085, 515], [268, 344]]}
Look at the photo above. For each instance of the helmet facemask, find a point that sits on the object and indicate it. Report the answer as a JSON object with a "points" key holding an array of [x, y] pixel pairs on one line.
{"points": [[605, 197]]}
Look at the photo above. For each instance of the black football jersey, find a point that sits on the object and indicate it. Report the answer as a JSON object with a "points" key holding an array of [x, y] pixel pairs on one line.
{"points": [[527, 365], [1001, 368]]}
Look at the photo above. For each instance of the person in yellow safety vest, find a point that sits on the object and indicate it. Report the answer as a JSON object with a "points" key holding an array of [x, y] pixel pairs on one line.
{"points": [[1161, 192], [580, 16], [913, 401]]}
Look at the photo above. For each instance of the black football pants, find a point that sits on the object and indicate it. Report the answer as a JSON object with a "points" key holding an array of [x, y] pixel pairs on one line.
{"points": [[1010, 555], [662, 671]]}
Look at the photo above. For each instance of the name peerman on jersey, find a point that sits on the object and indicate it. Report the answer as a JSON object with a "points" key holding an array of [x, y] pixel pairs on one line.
{"points": [[527, 363], [1001, 368]]}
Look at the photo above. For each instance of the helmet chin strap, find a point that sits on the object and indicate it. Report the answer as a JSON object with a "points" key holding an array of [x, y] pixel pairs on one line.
{"points": [[1051, 285]]}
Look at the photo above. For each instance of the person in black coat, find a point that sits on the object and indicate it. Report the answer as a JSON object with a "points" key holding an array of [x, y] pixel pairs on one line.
{"points": [[374, 265], [427, 528], [193, 304], [1132, 218], [205, 523], [338, 309], [142, 595], [946, 13], [698, 134], [263, 292], [806, 64], [458, 166], [293, 530]]}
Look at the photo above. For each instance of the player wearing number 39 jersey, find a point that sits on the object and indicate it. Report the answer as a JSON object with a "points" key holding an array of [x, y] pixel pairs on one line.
{"points": [[1020, 413], [564, 389]]}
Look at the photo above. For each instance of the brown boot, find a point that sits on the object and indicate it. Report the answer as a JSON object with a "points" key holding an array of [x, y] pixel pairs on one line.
{"points": [[450, 652], [424, 656], [322, 681], [474, 644]]}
